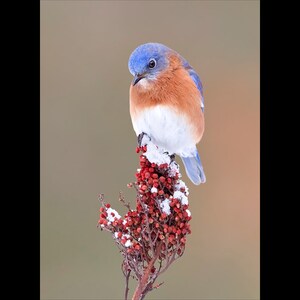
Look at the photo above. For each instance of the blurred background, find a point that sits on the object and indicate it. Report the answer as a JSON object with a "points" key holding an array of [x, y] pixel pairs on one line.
{"points": [[88, 144]]}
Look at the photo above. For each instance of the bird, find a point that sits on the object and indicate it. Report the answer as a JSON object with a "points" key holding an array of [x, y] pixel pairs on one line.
{"points": [[166, 103]]}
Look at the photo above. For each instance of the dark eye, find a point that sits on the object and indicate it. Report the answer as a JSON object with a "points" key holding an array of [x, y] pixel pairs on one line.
{"points": [[152, 63]]}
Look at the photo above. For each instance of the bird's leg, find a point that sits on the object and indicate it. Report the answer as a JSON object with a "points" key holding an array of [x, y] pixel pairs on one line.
{"points": [[140, 138], [172, 156]]}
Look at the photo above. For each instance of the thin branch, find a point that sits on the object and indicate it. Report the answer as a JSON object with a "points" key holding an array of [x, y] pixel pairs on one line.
{"points": [[127, 284], [122, 199]]}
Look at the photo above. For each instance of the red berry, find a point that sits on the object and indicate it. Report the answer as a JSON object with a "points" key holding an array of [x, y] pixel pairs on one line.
{"points": [[163, 215], [183, 240], [162, 179], [171, 238]]}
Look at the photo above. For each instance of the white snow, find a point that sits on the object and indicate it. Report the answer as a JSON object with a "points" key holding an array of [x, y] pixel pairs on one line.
{"points": [[116, 235], [165, 205], [156, 155], [154, 190], [188, 212], [174, 168], [128, 243], [111, 218], [181, 196], [180, 185]]}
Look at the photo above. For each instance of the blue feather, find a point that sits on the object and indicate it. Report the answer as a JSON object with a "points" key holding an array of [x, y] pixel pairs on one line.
{"points": [[194, 168], [195, 78]]}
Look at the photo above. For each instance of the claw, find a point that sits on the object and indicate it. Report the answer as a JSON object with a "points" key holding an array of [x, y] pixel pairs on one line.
{"points": [[140, 138], [172, 157]]}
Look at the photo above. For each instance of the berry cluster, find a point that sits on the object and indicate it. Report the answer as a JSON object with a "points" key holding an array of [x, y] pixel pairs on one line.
{"points": [[153, 235]]}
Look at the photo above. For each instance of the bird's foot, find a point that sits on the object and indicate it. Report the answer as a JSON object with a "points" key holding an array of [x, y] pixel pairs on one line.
{"points": [[140, 138], [172, 156]]}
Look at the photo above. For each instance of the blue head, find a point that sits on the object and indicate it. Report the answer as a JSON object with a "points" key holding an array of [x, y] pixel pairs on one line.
{"points": [[148, 60]]}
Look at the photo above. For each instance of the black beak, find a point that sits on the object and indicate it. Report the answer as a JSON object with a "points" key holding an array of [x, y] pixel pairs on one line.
{"points": [[137, 78]]}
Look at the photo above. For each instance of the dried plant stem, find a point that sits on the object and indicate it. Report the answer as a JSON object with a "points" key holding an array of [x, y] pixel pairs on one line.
{"points": [[127, 283], [143, 284], [153, 235]]}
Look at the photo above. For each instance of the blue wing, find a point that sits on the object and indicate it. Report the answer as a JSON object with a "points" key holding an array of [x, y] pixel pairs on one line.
{"points": [[196, 79], [194, 169]]}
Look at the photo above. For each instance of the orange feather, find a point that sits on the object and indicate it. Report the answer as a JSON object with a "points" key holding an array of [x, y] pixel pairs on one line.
{"points": [[173, 88]]}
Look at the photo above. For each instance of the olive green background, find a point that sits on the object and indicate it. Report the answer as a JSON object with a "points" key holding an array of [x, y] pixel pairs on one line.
{"points": [[88, 144]]}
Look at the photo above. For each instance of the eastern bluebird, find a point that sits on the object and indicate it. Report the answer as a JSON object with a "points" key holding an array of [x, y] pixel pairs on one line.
{"points": [[166, 103]]}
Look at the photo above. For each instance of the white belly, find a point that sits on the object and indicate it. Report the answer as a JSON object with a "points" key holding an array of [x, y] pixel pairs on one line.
{"points": [[167, 129]]}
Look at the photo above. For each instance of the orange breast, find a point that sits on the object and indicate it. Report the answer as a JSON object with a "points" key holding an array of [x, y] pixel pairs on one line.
{"points": [[173, 87]]}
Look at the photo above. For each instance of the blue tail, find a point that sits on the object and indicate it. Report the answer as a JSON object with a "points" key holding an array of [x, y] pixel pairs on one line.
{"points": [[194, 169]]}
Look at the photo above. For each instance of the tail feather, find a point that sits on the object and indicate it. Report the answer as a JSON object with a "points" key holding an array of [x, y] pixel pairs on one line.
{"points": [[194, 168]]}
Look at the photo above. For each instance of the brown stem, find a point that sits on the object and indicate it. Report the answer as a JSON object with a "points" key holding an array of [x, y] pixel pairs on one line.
{"points": [[127, 287], [143, 282], [142, 285]]}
